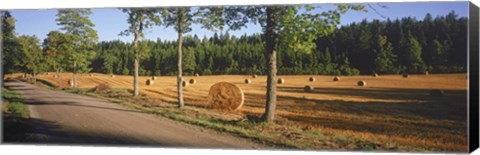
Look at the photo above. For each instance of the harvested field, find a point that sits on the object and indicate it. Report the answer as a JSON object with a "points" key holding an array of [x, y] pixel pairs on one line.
{"points": [[389, 110]]}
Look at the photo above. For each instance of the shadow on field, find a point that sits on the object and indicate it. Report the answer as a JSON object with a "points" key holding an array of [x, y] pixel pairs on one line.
{"points": [[380, 93], [417, 102]]}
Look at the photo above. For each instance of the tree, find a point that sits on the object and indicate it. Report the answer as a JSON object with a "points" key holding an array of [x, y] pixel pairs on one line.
{"points": [[31, 55], [9, 43], [76, 22], [293, 29], [384, 61], [414, 55], [181, 19], [58, 47], [139, 20]]}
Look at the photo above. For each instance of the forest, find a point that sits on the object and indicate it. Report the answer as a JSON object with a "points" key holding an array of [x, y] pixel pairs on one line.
{"points": [[437, 45], [406, 45]]}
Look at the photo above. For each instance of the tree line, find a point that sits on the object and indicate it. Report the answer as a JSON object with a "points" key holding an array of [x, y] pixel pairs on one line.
{"points": [[292, 42], [403, 45]]}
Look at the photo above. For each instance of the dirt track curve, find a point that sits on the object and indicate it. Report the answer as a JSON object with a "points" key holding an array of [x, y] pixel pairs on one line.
{"points": [[63, 118]]}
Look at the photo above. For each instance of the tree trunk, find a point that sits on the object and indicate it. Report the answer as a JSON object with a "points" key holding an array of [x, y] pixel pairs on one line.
{"points": [[180, 14], [270, 38], [75, 74], [34, 78], [179, 78], [135, 65], [59, 79]]}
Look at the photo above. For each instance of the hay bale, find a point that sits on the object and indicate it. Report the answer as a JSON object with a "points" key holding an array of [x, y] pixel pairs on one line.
{"points": [[336, 78], [375, 75], [184, 84], [113, 76], [70, 82], [154, 77], [247, 81], [308, 88], [254, 76], [91, 75], [361, 83], [405, 75], [280, 81], [311, 79], [197, 75], [54, 76], [225, 96], [149, 82], [101, 88], [437, 92], [426, 72], [192, 81], [48, 73]]}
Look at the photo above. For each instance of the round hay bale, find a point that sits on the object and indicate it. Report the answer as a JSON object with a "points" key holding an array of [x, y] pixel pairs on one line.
{"points": [[225, 96], [405, 75], [437, 92], [280, 81], [70, 82], [113, 76], [336, 78], [426, 72], [361, 83], [54, 76], [197, 75], [308, 88], [375, 75], [48, 73], [247, 81], [254, 76], [184, 84], [149, 82], [192, 81], [154, 77], [311, 79], [101, 88], [91, 75]]}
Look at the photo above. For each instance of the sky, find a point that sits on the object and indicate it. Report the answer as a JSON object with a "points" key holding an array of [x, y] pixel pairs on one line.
{"points": [[109, 22]]}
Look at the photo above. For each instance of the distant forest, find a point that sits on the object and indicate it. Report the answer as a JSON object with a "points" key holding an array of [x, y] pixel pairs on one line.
{"points": [[437, 45]]}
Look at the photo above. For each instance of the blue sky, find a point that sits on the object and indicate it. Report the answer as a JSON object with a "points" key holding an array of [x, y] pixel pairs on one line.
{"points": [[110, 22]]}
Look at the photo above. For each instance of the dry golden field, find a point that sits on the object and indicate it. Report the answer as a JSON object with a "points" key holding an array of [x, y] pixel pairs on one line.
{"points": [[389, 109]]}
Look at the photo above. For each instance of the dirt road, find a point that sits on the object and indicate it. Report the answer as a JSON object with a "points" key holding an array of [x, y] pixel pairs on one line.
{"points": [[62, 118]]}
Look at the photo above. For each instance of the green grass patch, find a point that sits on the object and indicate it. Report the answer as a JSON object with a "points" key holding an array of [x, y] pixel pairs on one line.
{"points": [[13, 105]]}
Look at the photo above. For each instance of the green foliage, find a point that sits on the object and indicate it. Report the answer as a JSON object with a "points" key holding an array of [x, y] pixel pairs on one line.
{"points": [[437, 45], [30, 54], [58, 49], [384, 61], [9, 43], [414, 57], [76, 23]]}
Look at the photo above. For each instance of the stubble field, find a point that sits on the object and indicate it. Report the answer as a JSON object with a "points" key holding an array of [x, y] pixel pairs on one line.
{"points": [[388, 110]]}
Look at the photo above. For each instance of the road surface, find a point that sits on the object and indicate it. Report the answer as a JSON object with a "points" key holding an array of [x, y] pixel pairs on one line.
{"points": [[63, 118]]}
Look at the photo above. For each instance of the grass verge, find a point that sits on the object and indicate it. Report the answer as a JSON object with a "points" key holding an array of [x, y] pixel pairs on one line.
{"points": [[13, 105], [15, 117]]}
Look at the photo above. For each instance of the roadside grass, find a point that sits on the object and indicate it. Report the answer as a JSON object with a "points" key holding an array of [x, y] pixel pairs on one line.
{"points": [[15, 113], [13, 105], [282, 134]]}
